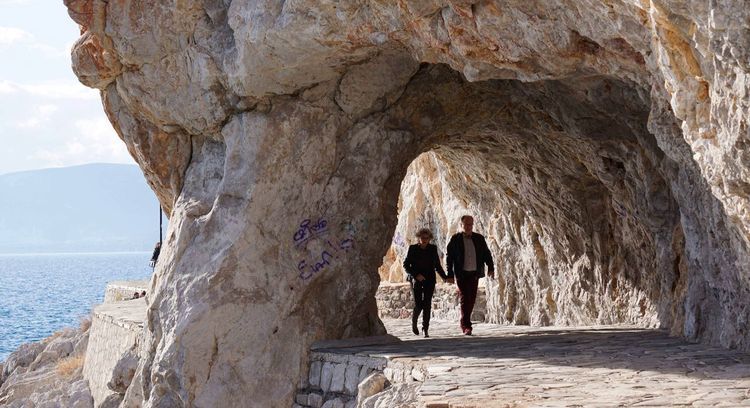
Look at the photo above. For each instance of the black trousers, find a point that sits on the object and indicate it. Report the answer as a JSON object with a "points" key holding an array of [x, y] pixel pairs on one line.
{"points": [[422, 301]]}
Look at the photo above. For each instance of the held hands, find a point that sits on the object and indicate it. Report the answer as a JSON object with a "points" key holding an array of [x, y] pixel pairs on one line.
{"points": [[420, 278], [491, 274], [450, 280]]}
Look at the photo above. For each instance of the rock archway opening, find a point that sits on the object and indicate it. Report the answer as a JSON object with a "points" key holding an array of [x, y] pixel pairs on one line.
{"points": [[567, 183]]}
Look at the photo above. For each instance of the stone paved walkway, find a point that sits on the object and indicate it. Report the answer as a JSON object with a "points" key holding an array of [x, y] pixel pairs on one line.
{"points": [[513, 366]]}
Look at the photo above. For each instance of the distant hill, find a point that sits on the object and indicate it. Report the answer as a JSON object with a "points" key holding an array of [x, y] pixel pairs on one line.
{"points": [[94, 207]]}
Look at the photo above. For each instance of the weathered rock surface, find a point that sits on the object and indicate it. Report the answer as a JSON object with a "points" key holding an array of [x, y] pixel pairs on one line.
{"points": [[399, 395], [123, 372], [371, 385], [47, 373], [602, 146]]}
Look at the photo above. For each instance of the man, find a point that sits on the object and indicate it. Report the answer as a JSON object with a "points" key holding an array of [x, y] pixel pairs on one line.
{"points": [[467, 254], [155, 255]]}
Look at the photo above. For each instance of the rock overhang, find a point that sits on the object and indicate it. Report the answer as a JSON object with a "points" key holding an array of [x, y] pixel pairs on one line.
{"points": [[616, 156]]}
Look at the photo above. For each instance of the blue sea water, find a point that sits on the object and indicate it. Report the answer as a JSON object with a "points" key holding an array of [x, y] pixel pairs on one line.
{"points": [[42, 293]]}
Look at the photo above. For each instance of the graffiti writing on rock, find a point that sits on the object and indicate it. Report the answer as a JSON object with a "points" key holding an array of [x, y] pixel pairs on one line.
{"points": [[320, 247], [308, 230], [399, 240], [326, 257]]}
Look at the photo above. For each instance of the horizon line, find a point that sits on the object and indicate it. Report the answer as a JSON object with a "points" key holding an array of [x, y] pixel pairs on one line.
{"points": [[67, 167], [73, 253]]}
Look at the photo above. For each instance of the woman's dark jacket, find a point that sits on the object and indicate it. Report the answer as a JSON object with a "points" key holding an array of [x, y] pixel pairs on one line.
{"points": [[423, 262]]}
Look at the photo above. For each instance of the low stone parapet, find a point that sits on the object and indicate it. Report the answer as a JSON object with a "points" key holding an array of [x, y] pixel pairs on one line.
{"points": [[123, 290], [115, 328], [333, 377], [395, 301]]}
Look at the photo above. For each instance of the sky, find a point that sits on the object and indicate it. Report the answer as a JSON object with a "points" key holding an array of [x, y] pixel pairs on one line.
{"points": [[47, 118]]}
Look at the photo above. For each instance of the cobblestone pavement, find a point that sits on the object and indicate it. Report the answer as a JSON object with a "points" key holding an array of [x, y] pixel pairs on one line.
{"points": [[515, 366]]}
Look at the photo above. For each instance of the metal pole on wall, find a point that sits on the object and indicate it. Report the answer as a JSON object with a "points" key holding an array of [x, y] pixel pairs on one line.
{"points": [[160, 223], [157, 248]]}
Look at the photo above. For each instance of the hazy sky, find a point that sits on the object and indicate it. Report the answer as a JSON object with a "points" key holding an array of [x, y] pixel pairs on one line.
{"points": [[47, 118]]}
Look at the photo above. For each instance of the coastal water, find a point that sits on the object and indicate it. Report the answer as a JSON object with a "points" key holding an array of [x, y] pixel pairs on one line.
{"points": [[42, 293]]}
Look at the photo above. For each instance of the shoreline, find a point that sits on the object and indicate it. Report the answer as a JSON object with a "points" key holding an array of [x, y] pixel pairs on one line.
{"points": [[8, 254]]}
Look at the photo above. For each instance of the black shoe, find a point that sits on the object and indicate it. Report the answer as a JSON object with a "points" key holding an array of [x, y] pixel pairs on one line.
{"points": [[414, 327], [425, 333]]}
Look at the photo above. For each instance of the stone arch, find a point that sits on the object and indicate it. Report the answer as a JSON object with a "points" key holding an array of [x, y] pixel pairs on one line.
{"points": [[246, 128], [565, 180], [596, 202]]}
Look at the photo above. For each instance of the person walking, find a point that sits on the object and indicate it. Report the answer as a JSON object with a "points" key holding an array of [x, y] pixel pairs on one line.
{"points": [[155, 255], [467, 255], [421, 263]]}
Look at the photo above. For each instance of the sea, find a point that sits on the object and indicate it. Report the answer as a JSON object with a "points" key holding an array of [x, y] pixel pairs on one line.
{"points": [[42, 293]]}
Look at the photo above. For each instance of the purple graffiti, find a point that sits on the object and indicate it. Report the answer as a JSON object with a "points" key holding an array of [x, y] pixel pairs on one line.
{"points": [[326, 257], [307, 230], [308, 271], [399, 240]]}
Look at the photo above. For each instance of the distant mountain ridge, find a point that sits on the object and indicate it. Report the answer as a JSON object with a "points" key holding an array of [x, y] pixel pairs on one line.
{"points": [[87, 208]]}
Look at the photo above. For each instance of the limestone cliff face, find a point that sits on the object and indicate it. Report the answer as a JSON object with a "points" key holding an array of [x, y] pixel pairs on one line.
{"points": [[602, 145]]}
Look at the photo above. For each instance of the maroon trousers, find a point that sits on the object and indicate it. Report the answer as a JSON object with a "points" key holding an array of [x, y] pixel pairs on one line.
{"points": [[467, 295]]}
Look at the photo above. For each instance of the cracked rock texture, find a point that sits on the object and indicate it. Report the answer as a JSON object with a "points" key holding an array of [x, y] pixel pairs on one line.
{"points": [[603, 147], [48, 373]]}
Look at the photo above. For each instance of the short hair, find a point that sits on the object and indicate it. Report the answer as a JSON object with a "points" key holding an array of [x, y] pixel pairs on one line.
{"points": [[463, 217], [423, 231]]}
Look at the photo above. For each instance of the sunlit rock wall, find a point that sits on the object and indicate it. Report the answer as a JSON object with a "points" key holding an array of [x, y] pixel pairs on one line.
{"points": [[603, 147], [425, 201]]}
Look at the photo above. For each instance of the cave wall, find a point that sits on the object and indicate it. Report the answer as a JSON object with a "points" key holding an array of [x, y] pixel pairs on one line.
{"points": [[425, 201], [602, 145], [580, 220]]}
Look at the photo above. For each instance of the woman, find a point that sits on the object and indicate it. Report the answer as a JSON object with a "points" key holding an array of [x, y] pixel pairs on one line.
{"points": [[421, 262]]}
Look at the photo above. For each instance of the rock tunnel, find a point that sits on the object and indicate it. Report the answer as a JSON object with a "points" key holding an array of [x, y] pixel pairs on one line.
{"points": [[601, 146], [567, 182]]}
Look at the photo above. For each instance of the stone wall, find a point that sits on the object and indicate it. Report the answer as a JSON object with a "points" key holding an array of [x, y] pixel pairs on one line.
{"points": [[332, 379], [395, 301], [115, 329], [123, 290]]}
